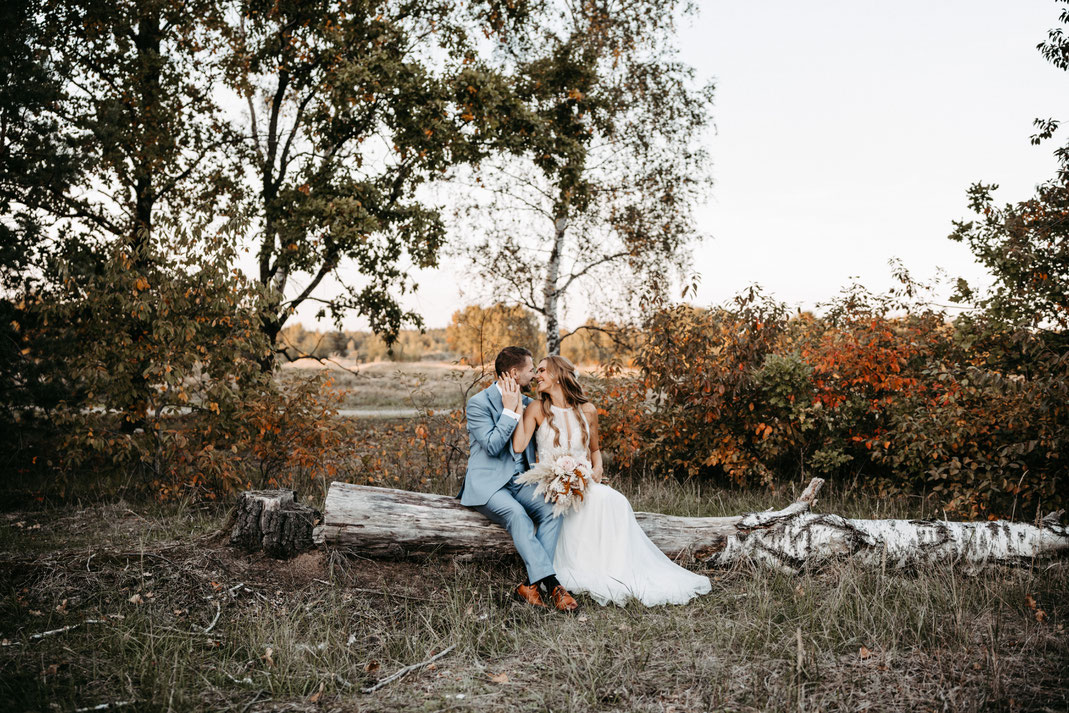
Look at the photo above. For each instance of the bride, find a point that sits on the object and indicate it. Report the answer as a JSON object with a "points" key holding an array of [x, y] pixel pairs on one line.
{"points": [[601, 550]]}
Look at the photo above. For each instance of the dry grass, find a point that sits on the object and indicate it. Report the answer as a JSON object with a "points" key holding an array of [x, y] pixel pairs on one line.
{"points": [[388, 386], [308, 634], [393, 385]]}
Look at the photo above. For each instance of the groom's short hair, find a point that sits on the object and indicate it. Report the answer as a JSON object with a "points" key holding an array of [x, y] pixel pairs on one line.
{"points": [[510, 357]]}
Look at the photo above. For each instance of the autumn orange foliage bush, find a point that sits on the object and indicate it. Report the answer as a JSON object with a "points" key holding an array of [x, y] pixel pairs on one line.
{"points": [[911, 403], [143, 376]]}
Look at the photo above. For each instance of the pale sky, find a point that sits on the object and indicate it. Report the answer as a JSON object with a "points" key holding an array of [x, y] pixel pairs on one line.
{"points": [[847, 135]]}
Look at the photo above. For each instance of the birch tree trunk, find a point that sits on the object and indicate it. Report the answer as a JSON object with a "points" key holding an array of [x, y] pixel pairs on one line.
{"points": [[550, 292], [382, 521]]}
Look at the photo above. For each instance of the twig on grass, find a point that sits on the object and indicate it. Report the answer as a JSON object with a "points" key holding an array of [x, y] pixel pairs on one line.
{"points": [[104, 706], [406, 670], [61, 630], [245, 680], [254, 699], [218, 611]]}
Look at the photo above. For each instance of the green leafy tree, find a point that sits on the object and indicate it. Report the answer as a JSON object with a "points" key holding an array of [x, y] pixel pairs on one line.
{"points": [[601, 191], [113, 124], [351, 108], [136, 105], [1025, 245], [36, 160]]}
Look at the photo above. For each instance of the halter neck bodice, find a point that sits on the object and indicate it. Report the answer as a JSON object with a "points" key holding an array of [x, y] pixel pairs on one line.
{"points": [[571, 441]]}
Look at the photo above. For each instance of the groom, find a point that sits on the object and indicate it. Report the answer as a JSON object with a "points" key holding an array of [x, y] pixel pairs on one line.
{"points": [[490, 483]]}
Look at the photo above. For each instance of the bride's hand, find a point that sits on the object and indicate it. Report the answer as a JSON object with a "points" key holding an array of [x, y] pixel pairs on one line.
{"points": [[596, 473]]}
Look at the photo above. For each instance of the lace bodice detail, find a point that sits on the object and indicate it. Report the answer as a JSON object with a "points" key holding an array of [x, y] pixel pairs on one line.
{"points": [[571, 436]]}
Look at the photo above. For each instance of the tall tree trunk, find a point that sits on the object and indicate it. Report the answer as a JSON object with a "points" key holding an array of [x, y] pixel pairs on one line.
{"points": [[273, 275], [550, 293], [144, 157]]}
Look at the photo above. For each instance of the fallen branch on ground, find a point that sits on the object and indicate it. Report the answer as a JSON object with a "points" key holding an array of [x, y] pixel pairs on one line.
{"points": [[388, 522], [53, 632], [218, 611], [407, 670], [104, 706]]}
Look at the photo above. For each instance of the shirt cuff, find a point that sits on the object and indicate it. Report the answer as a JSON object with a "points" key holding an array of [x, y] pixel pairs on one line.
{"points": [[512, 414]]}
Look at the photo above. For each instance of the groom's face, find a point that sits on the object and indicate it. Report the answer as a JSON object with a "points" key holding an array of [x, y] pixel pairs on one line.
{"points": [[524, 373]]}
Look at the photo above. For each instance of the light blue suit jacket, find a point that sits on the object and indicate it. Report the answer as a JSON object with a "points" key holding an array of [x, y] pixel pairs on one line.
{"points": [[490, 462]]}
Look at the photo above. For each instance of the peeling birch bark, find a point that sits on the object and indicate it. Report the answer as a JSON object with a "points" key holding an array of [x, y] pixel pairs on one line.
{"points": [[806, 540], [388, 522]]}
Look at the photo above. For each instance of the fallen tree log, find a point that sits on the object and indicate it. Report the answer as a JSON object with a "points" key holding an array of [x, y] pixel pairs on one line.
{"points": [[387, 522]]}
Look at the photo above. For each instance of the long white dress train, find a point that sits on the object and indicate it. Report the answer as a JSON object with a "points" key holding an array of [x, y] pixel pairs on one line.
{"points": [[602, 551]]}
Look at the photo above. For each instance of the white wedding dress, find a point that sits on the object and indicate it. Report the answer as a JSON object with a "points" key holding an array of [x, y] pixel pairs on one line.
{"points": [[602, 550]]}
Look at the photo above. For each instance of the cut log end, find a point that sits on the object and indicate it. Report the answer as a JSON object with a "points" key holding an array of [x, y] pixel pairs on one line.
{"points": [[273, 521]]}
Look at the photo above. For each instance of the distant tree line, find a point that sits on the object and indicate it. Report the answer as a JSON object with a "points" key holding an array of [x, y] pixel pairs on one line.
{"points": [[474, 336]]}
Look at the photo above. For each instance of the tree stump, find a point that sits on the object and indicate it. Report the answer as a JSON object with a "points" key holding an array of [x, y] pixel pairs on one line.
{"points": [[273, 521]]}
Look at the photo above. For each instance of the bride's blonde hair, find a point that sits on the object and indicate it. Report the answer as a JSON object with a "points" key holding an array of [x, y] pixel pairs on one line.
{"points": [[574, 396]]}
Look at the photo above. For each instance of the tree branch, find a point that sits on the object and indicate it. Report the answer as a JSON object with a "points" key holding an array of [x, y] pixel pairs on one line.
{"points": [[575, 275]]}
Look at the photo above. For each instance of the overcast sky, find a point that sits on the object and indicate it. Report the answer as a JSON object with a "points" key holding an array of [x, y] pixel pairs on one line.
{"points": [[847, 134]]}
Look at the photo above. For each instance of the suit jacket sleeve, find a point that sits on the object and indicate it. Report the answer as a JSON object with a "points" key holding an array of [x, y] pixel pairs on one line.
{"points": [[494, 436]]}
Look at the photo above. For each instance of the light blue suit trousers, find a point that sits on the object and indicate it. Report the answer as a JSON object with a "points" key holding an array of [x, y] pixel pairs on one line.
{"points": [[490, 485]]}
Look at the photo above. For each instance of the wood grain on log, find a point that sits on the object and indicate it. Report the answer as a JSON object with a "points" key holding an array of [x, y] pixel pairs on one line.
{"points": [[383, 521]]}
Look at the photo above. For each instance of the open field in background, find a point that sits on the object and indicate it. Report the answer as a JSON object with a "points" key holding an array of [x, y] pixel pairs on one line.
{"points": [[393, 386], [189, 624]]}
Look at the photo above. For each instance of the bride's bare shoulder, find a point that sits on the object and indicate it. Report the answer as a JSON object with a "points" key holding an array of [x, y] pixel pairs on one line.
{"points": [[535, 407], [590, 409]]}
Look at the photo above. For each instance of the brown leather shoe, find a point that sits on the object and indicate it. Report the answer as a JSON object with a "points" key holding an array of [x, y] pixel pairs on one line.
{"points": [[563, 600], [529, 594]]}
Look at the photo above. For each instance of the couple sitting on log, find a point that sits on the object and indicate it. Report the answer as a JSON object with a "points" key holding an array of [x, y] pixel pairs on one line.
{"points": [[535, 468]]}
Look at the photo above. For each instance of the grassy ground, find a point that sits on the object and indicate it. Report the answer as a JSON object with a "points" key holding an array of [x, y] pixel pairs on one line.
{"points": [[164, 616], [184, 623]]}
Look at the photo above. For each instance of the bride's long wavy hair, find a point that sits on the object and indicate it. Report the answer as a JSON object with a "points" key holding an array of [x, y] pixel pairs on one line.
{"points": [[574, 396]]}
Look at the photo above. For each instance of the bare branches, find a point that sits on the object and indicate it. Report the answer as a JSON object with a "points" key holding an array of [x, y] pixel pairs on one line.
{"points": [[614, 148], [590, 266]]}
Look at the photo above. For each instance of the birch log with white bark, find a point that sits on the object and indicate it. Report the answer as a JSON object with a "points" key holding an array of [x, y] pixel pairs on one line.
{"points": [[382, 521]]}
